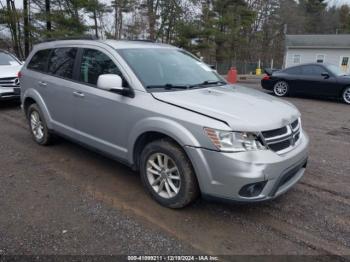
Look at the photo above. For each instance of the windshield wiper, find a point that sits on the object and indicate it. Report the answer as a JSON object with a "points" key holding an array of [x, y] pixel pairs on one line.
{"points": [[209, 82], [168, 86]]}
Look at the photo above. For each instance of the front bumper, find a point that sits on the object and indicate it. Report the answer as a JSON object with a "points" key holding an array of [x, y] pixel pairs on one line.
{"points": [[10, 93], [223, 175]]}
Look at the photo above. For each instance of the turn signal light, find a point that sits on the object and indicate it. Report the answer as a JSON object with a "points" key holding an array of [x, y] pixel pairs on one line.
{"points": [[19, 74]]}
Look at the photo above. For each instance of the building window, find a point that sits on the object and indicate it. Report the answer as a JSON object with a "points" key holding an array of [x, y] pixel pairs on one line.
{"points": [[296, 59], [320, 59]]}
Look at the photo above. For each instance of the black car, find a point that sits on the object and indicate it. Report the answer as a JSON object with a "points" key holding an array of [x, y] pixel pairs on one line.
{"points": [[312, 79]]}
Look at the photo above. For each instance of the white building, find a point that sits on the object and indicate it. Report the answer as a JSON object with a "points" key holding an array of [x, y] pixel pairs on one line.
{"points": [[332, 49]]}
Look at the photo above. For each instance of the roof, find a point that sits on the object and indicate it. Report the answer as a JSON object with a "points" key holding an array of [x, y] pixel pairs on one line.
{"points": [[318, 41], [117, 44]]}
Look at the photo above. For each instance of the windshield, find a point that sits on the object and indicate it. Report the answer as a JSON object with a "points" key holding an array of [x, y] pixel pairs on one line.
{"points": [[6, 59], [335, 70], [175, 68]]}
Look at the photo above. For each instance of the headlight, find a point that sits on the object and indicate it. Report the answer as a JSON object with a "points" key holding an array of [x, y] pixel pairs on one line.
{"points": [[234, 141]]}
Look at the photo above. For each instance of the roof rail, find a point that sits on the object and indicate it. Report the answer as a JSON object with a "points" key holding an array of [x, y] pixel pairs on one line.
{"points": [[84, 37], [139, 40]]}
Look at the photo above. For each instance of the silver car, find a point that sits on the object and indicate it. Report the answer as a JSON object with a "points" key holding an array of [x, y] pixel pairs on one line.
{"points": [[9, 82], [163, 112]]}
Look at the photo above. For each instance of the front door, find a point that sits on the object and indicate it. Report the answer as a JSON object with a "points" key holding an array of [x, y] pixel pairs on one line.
{"points": [[102, 118], [314, 83]]}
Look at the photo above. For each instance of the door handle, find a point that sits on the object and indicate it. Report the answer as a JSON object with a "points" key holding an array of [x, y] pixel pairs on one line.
{"points": [[78, 94], [42, 83]]}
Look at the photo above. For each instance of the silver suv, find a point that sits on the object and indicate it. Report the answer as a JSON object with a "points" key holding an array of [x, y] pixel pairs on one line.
{"points": [[163, 112]]}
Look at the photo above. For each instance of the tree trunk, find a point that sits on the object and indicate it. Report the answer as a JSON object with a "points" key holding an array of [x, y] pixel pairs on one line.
{"points": [[120, 28], [48, 16], [26, 27], [151, 13], [12, 17], [96, 25]]}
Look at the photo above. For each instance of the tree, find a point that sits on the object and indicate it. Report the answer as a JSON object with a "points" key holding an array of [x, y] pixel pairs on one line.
{"points": [[97, 10], [26, 27]]}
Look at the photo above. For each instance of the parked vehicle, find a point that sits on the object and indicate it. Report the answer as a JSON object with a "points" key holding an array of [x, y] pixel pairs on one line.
{"points": [[309, 79], [9, 82], [165, 113]]}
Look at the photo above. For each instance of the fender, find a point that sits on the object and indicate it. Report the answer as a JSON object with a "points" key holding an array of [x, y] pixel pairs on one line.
{"points": [[165, 126], [35, 95]]}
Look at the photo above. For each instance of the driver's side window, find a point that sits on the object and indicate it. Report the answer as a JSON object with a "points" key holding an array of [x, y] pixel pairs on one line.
{"points": [[95, 63]]}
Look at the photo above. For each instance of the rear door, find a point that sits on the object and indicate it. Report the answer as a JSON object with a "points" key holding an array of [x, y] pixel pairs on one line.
{"points": [[57, 88]]}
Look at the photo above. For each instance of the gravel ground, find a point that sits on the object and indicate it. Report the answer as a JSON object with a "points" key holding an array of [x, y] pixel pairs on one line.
{"points": [[65, 199], [43, 213]]}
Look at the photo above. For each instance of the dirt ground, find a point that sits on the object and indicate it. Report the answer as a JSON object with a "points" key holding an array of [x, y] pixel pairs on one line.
{"points": [[65, 199]]}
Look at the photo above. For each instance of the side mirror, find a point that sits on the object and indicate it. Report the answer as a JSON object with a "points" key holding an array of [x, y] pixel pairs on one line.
{"points": [[110, 82], [325, 75]]}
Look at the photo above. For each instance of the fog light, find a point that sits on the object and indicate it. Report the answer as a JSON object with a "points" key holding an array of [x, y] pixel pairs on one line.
{"points": [[252, 190]]}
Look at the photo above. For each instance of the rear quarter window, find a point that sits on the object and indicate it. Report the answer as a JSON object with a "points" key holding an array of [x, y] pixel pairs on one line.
{"points": [[292, 71], [39, 60]]}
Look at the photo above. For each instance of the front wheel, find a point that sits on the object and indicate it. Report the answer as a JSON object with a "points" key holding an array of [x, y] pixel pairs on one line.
{"points": [[167, 174], [281, 89], [346, 95]]}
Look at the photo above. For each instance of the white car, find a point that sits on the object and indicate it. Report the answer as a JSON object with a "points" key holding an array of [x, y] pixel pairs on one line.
{"points": [[9, 81]]}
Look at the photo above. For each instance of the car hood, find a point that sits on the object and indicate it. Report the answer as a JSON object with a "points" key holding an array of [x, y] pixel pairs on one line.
{"points": [[243, 109], [9, 70]]}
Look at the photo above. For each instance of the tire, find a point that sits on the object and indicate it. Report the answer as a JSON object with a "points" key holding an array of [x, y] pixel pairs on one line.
{"points": [[281, 89], [37, 126], [346, 95], [184, 189]]}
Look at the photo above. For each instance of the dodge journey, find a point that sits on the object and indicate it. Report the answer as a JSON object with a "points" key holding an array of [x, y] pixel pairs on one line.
{"points": [[166, 114]]}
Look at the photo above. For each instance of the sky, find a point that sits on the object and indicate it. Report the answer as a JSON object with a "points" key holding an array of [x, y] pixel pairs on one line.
{"points": [[19, 3]]}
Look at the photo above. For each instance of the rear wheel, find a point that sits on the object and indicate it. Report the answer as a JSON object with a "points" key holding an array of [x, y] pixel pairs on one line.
{"points": [[346, 95], [281, 88], [37, 125], [167, 174]]}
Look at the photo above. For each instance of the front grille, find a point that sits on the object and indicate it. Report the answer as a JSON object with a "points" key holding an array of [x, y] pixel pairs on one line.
{"points": [[9, 82], [275, 132], [283, 139], [280, 145], [295, 124]]}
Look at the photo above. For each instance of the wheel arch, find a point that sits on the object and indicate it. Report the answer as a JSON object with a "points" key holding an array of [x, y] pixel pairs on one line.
{"points": [[153, 129], [32, 96]]}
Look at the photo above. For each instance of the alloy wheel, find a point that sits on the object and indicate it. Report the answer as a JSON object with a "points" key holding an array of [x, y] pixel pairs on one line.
{"points": [[163, 175], [281, 88], [36, 125], [346, 95]]}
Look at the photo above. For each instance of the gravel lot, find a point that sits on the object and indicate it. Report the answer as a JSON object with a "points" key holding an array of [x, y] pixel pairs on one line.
{"points": [[65, 199]]}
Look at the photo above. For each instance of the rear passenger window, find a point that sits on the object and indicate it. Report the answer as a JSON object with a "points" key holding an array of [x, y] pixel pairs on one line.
{"points": [[95, 63], [61, 62], [293, 71], [39, 60]]}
